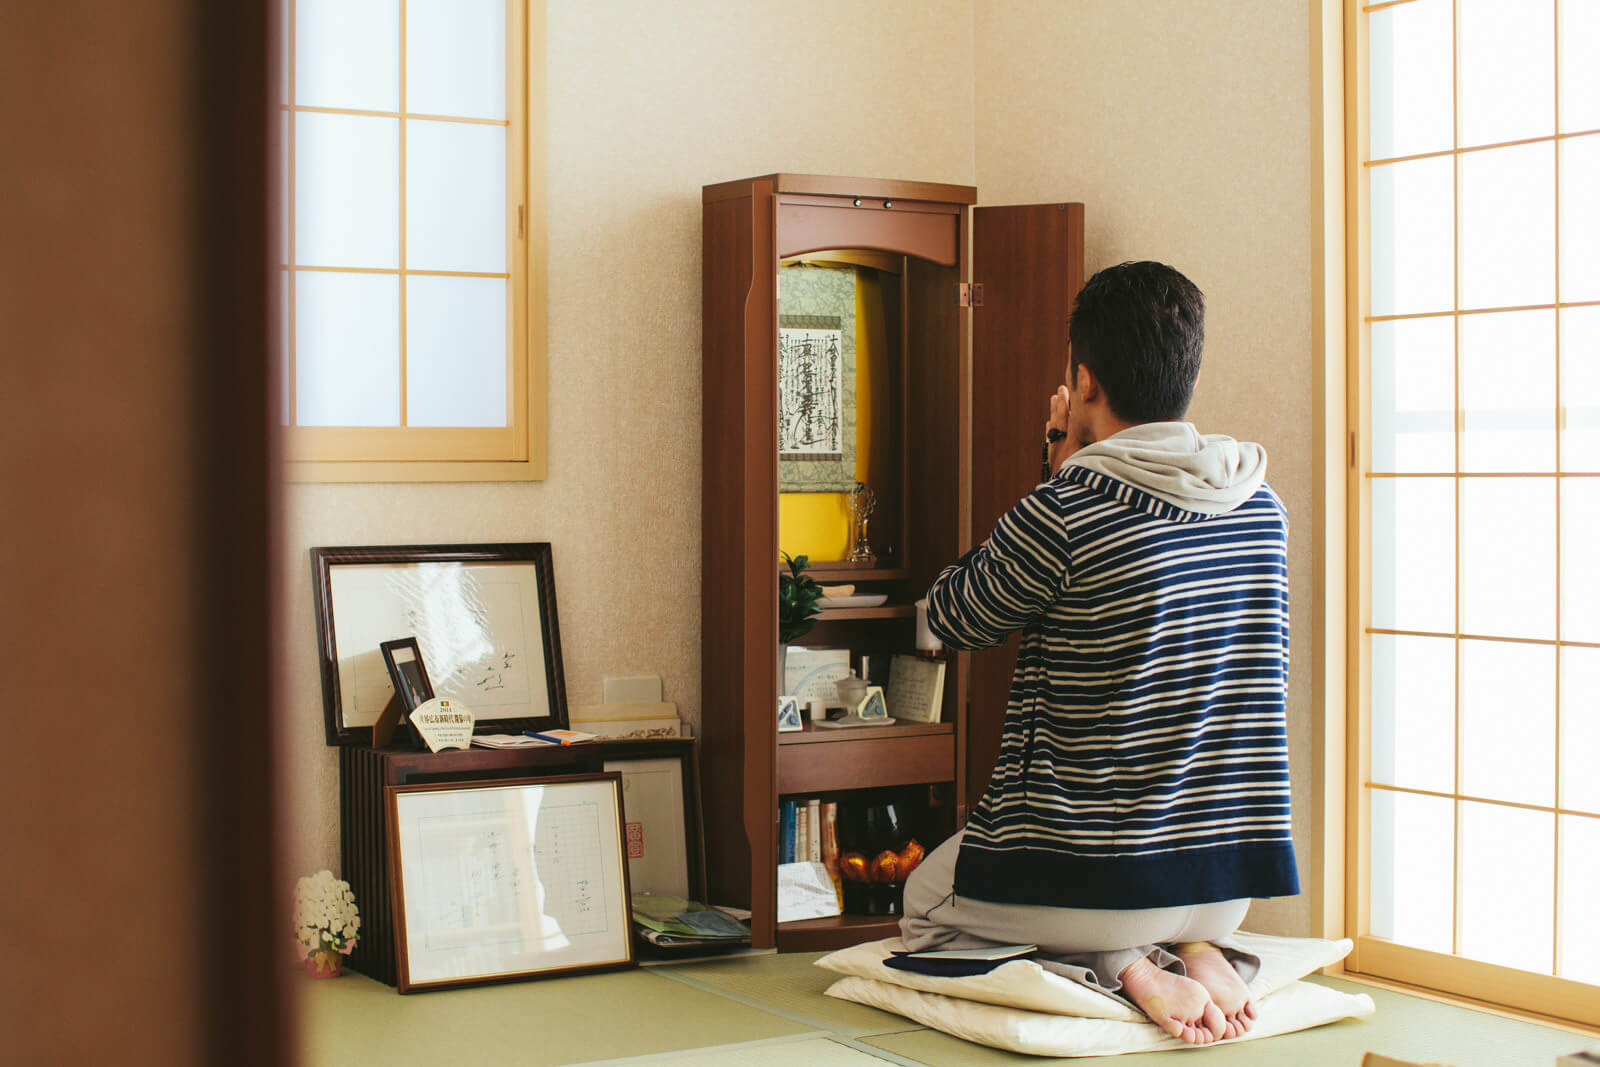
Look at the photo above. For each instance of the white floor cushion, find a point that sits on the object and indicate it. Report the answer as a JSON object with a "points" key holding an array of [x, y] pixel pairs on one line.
{"points": [[1024, 1008]]}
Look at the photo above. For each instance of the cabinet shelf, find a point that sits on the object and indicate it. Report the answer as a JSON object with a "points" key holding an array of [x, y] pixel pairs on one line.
{"points": [[813, 736], [889, 755], [837, 931], [882, 611], [842, 574]]}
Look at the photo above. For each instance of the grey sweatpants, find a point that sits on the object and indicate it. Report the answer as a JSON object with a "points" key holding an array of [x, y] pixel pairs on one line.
{"points": [[1090, 945]]}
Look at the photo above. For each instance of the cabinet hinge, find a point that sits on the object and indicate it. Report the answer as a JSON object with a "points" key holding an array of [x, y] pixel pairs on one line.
{"points": [[969, 295]]}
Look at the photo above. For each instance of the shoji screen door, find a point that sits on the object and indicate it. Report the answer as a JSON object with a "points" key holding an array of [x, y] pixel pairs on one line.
{"points": [[1477, 187]]}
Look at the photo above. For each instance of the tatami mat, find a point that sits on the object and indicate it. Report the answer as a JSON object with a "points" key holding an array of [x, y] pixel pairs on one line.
{"points": [[791, 984], [778, 1052], [354, 1021], [771, 1010]]}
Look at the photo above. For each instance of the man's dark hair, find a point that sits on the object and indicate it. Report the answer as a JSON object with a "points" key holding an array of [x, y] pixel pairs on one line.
{"points": [[1140, 328]]}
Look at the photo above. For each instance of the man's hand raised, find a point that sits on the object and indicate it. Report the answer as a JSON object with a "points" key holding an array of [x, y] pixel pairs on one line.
{"points": [[1060, 419]]}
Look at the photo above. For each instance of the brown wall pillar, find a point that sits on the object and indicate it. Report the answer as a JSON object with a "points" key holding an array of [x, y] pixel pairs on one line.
{"points": [[138, 916]]}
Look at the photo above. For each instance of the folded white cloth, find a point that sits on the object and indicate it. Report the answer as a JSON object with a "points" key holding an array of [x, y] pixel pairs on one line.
{"points": [[1024, 1008]]}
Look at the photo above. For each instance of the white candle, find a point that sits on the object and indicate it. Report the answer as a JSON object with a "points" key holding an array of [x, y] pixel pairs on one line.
{"points": [[927, 641]]}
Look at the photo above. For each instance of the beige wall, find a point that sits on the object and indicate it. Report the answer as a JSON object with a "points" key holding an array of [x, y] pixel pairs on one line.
{"points": [[1184, 129], [647, 103]]}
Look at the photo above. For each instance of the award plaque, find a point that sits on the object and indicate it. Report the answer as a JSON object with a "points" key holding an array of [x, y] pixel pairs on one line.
{"points": [[443, 724]]}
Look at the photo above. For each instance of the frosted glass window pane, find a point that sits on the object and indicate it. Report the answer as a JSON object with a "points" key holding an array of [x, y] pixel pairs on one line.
{"points": [[455, 351], [1409, 61], [1580, 388], [347, 191], [1507, 885], [1412, 236], [283, 187], [1508, 721], [1580, 919], [1507, 70], [1413, 711], [1508, 213], [456, 58], [1508, 555], [1413, 394], [1413, 566], [347, 349], [1508, 391], [285, 401], [1580, 75], [1580, 217], [1580, 729], [1580, 561], [455, 196], [347, 54], [1413, 855]]}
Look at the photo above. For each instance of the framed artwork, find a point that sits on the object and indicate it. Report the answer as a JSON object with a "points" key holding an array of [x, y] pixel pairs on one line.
{"points": [[817, 380], [789, 715], [661, 814], [483, 618], [505, 880], [873, 707]]}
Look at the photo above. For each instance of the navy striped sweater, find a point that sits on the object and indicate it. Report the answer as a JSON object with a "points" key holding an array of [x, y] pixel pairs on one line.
{"points": [[1144, 761]]}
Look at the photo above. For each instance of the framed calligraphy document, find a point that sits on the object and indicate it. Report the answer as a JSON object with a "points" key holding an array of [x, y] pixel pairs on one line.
{"points": [[661, 814], [505, 880], [484, 617]]}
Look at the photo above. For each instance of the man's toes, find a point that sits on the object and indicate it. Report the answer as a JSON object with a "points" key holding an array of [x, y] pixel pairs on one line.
{"points": [[1243, 1018], [1214, 1020], [1171, 1025], [1249, 1009]]}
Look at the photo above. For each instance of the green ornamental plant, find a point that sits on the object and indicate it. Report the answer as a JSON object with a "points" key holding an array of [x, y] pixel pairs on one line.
{"points": [[798, 594]]}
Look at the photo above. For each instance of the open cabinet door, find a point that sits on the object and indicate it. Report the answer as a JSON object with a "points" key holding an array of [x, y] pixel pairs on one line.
{"points": [[1029, 261]]}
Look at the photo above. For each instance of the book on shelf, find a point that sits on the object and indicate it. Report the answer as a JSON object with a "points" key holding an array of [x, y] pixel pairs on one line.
{"points": [[802, 834], [814, 830], [786, 828], [916, 689]]}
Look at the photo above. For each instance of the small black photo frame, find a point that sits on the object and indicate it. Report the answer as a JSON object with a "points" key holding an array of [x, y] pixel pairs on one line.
{"points": [[410, 678]]}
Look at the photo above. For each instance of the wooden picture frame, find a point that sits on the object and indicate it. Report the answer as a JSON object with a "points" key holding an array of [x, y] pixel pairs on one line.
{"points": [[683, 751], [411, 686], [484, 617], [537, 870]]}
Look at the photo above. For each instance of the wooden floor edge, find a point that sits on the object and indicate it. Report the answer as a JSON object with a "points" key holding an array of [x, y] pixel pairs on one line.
{"points": [[1458, 1001]]}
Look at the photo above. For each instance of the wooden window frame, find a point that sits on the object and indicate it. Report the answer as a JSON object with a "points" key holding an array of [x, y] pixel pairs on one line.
{"points": [[1340, 881], [519, 450]]}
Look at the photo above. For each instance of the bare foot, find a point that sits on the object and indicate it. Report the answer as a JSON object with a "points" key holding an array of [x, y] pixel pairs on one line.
{"points": [[1208, 966], [1180, 1006]]}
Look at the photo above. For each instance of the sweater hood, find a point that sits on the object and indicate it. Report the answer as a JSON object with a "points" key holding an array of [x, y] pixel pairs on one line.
{"points": [[1172, 461]]}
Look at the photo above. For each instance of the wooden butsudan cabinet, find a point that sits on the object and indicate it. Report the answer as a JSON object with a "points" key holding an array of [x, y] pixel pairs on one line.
{"points": [[977, 332]]}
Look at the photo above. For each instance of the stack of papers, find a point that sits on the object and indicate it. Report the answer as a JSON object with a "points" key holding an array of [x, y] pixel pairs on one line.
{"points": [[674, 922], [532, 739], [506, 741]]}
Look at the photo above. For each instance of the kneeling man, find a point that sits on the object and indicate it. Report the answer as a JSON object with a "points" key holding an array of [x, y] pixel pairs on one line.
{"points": [[1141, 797]]}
